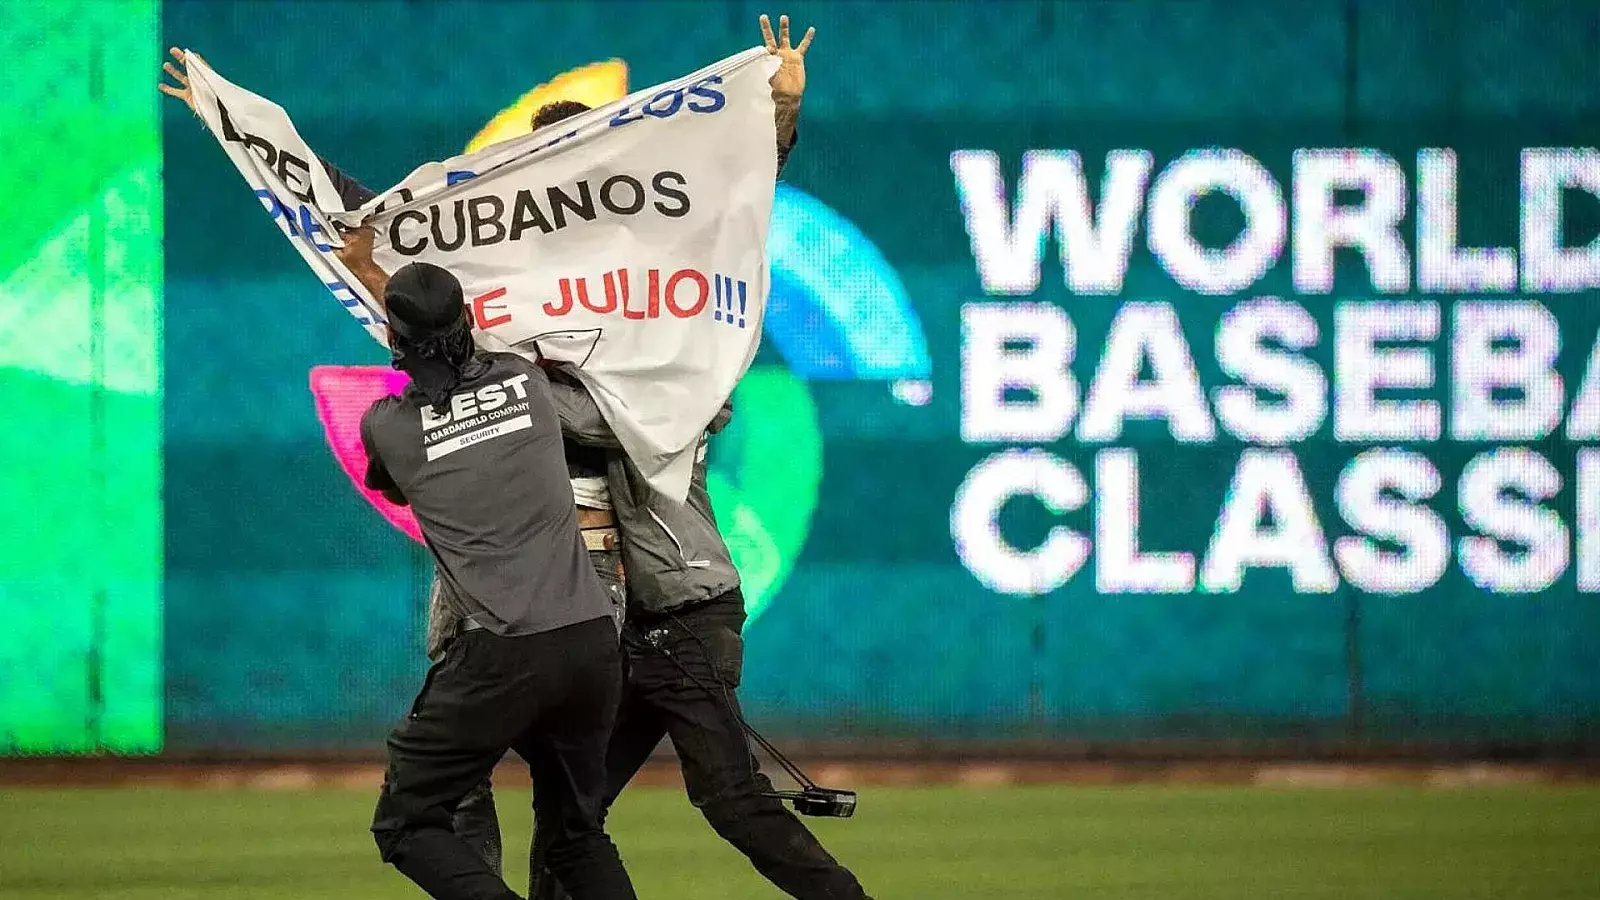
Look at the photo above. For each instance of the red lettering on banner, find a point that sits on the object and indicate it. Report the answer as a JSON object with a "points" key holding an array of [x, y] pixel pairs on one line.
{"points": [[583, 292], [550, 309], [653, 292], [618, 296], [671, 294], [652, 309], [610, 295], [480, 304], [617, 282]]}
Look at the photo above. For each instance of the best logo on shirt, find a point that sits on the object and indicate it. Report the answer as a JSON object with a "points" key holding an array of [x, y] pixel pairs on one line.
{"points": [[468, 404], [476, 416]]}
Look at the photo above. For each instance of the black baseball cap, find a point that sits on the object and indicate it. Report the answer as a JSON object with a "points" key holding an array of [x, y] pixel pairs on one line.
{"points": [[423, 301]]}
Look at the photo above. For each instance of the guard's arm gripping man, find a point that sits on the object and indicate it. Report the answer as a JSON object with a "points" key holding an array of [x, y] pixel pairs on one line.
{"points": [[581, 420]]}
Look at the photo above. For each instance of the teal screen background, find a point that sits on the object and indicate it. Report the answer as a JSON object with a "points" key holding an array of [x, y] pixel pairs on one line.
{"points": [[293, 612]]}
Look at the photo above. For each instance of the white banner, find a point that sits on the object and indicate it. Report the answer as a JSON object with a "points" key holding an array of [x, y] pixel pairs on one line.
{"points": [[629, 240]]}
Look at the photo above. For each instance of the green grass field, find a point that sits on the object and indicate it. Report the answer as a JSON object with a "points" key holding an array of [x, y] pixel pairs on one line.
{"points": [[1161, 843]]}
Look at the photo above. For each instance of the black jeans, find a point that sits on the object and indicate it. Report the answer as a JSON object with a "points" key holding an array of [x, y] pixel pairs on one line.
{"points": [[552, 697], [475, 819], [723, 778]]}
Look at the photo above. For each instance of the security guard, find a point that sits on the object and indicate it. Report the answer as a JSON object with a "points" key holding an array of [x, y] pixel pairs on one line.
{"points": [[473, 445]]}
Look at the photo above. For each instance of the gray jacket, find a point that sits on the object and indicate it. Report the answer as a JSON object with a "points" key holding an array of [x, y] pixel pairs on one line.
{"points": [[672, 553]]}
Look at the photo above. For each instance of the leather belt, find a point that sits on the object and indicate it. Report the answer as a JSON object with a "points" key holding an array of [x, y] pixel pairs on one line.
{"points": [[599, 538], [595, 518]]}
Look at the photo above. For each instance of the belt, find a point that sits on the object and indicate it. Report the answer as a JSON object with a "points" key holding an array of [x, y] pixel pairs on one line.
{"points": [[595, 518], [604, 538]]}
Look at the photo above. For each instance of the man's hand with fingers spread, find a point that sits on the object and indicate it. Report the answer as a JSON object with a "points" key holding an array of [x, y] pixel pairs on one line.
{"points": [[789, 82], [180, 76]]}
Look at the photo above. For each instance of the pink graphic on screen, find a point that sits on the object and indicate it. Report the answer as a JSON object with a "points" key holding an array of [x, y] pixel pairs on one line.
{"points": [[343, 394]]}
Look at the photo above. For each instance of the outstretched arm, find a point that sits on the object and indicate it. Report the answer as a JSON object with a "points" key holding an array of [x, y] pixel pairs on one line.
{"points": [[788, 83], [352, 192], [783, 151]]}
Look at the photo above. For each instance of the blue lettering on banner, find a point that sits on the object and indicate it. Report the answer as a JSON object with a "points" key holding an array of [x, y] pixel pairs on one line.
{"points": [[664, 105], [710, 99], [276, 210], [311, 228], [702, 98], [298, 222], [723, 293], [458, 177], [352, 301], [554, 141]]}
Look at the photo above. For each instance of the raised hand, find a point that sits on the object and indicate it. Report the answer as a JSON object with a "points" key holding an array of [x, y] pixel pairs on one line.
{"points": [[181, 89], [789, 82]]}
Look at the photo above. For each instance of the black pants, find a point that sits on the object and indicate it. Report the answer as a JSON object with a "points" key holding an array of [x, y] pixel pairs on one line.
{"points": [[722, 777], [475, 819], [552, 697]]}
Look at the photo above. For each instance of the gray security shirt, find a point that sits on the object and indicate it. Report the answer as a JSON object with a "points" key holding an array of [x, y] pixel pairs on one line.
{"points": [[488, 484]]}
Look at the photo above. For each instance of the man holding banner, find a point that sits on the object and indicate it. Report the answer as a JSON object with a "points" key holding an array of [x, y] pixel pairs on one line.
{"points": [[633, 248], [685, 616]]}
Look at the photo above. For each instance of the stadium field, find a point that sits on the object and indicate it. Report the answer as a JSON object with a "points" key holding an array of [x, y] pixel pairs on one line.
{"points": [[1019, 843]]}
